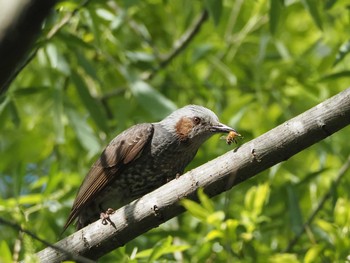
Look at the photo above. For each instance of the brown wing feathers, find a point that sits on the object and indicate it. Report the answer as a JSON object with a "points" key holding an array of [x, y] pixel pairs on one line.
{"points": [[122, 150]]}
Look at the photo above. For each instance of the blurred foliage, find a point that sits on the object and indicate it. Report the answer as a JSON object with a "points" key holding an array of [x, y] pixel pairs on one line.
{"points": [[101, 66]]}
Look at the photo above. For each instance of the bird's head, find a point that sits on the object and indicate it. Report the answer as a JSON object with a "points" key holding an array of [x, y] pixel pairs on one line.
{"points": [[194, 123]]}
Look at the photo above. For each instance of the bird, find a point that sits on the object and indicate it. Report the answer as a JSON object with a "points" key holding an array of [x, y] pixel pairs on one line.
{"points": [[141, 159]]}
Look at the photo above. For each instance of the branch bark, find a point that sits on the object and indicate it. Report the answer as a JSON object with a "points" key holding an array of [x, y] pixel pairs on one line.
{"points": [[20, 23], [216, 176]]}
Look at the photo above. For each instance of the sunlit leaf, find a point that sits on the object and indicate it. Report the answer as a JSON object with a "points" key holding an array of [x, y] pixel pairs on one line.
{"points": [[164, 247], [5, 252], [313, 254], [195, 209], [30, 199], [285, 257], [313, 7], [216, 218], [57, 60], [214, 234], [151, 100], [327, 227], [342, 213], [262, 194], [205, 201], [144, 253]]}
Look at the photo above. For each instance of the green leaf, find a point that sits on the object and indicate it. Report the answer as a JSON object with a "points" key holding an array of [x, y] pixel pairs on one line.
{"points": [[327, 227], [330, 3], [285, 258], [16, 120], [74, 41], [84, 132], [87, 66], [337, 75], [311, 176], [312, 6], [90, 103], [294, 210], [105, 14], [256, 197], [342, 213], [67, 5], [34, 90], [313, 254], [274, 14], [57, 95], [4, 103], [57, 60], [164, 247], [214, 234], [262, 194], [216, 218], [5, 253], [30, 199], [151, 100], [205, 201], [343, 51], [214, 8], [139, 56], [144, 253], [195, 209]]}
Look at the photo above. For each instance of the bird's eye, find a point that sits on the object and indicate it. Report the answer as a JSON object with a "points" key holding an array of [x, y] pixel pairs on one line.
{"points": [[197, 120]]}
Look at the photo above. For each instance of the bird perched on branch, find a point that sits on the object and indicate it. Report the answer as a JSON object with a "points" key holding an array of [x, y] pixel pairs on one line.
{"points": [[141, 159]]}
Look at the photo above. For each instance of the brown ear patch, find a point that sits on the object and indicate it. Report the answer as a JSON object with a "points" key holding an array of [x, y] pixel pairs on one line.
{"points": [[183, 128]]}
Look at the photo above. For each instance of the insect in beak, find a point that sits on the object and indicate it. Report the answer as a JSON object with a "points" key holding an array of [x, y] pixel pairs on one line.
{"points": [[231, 137]]}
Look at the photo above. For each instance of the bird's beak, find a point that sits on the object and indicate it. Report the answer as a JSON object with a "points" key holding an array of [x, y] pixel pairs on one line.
{"points": [[222, 128]]}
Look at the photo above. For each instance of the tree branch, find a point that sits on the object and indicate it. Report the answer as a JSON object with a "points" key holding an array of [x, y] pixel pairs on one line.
{"points": [[216, 176], [71, 255]]}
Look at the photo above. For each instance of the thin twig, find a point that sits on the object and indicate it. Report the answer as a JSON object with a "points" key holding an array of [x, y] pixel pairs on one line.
{"points": [[320, 205], [179, 45], [104, 99], [46, 243], [57, 27], [17, 247]]}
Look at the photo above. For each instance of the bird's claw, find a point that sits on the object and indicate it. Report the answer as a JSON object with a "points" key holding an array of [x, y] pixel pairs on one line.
{"points": [[105, 216]]}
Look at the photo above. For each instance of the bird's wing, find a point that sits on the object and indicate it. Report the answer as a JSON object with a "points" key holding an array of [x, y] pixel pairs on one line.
{"points": [[122, 150]]}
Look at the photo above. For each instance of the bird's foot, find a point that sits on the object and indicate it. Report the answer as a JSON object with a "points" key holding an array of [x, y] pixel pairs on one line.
{"points": [[105, 216], [172, 178]]}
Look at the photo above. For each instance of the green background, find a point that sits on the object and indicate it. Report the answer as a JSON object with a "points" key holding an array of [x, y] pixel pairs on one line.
{"points": [[255, 63]]}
